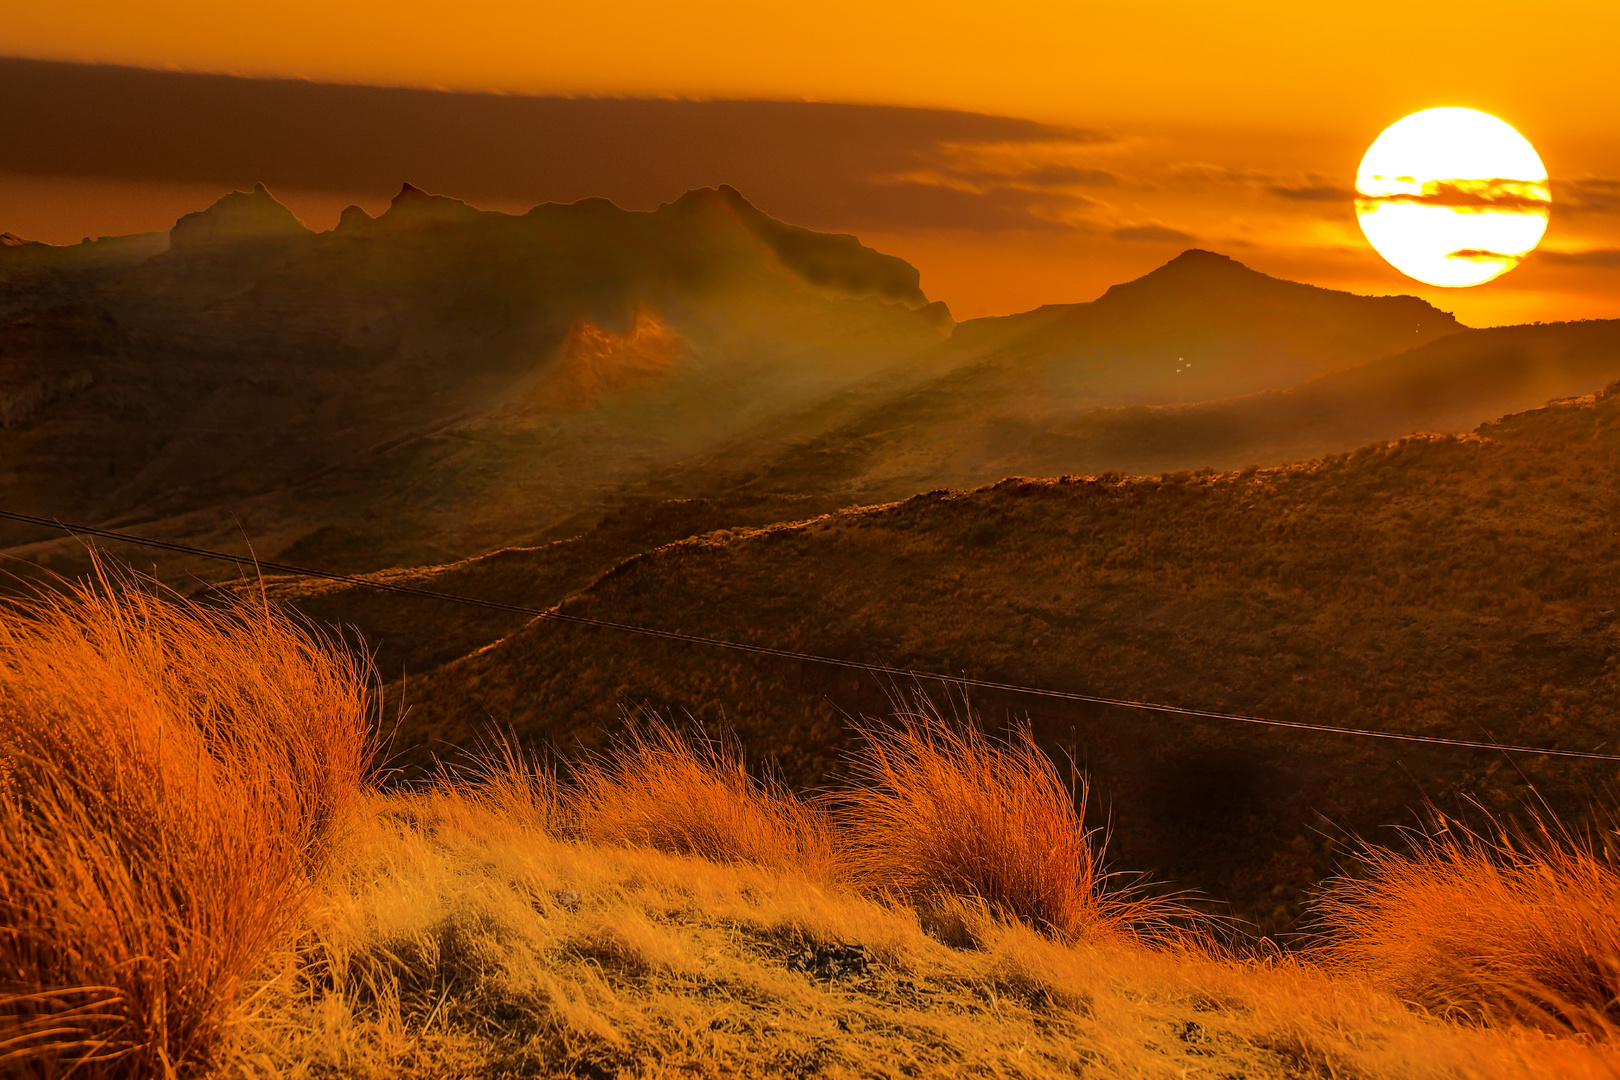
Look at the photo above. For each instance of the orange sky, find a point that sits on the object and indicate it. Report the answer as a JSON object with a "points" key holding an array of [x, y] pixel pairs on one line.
{"points": [[1227, 125]]}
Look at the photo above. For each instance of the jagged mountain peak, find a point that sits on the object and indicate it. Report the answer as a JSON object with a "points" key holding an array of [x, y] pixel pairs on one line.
{"points": [[413, 205], [352, 219], [835, 261], [236, 217]]}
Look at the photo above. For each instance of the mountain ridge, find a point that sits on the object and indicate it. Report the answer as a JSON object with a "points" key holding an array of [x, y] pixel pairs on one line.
{"points": [[442, 380]]}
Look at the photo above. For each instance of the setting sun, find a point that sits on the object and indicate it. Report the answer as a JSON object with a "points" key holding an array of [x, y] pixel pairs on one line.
{"points": [[1452, 197]]}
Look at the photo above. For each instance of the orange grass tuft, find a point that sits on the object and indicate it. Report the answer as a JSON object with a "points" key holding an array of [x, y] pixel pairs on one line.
{"points": [[694, 796], [1523, 927], [172, 774], [944, 811], [511, 783]]}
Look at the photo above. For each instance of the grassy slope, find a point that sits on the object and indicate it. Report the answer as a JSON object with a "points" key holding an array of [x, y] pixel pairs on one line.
{"points": [[197, 880], [1462, 586], [410, 635], [458, 942]]}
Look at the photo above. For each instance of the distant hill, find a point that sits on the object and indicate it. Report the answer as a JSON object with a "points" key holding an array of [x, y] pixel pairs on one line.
{"points": [[1465, 586], [1452, 384], [1202, 326]]}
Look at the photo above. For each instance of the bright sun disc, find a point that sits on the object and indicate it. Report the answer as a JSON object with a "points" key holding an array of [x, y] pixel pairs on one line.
{"points": [[1452, 197]]}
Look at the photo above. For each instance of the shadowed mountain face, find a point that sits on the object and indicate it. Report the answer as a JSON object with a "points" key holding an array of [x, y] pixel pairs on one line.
{"points": [[465, 378]]}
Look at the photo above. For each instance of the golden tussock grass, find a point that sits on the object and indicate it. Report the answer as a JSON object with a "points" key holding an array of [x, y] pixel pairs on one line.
{"points": [[1523, 926], [941, 810], [695, 796], [172, 775]]}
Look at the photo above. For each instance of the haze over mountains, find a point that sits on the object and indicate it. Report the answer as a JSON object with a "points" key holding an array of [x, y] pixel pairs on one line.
{"points": [[472, 377], [441, 381]]}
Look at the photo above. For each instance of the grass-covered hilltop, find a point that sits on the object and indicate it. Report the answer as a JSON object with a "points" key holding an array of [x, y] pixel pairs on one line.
{"points": [[201, 878]]}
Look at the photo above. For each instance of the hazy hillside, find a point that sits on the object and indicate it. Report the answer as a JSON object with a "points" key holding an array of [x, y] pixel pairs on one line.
{"points": [[956, 432], [433, 382], [1463, 586], [1449, 385]]}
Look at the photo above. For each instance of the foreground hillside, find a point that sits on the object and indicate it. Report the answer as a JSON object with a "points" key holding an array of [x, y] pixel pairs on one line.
{"points": [[461, 942], [1462, 586], [198, 879]]}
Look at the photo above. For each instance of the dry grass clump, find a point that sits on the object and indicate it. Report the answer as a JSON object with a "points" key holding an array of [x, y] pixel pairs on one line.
{"points": [[1521, 927], [942, 810], [172, 774], [516, 785], [693, 796]]}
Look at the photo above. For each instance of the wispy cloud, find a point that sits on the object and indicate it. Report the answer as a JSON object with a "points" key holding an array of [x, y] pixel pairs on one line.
{"points": [[1482, 255], [1154, 234], [1315, 192], [1587, 195], [1608, 258], [1041, 183]]}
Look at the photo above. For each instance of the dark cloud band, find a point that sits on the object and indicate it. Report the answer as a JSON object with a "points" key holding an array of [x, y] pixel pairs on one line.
{"points": [[823, 165]]}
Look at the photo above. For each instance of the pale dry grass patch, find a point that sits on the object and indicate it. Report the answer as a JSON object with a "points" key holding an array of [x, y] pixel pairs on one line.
{"points": [[173, 777], [684, 971]]}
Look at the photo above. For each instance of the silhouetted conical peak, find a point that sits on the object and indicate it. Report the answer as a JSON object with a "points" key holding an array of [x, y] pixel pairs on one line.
{"points": [[239, 216], [1196, 268], [1225, 289]]}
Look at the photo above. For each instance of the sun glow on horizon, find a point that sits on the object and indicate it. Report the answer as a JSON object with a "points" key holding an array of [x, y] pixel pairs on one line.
{"points": [[1452, 197]]}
